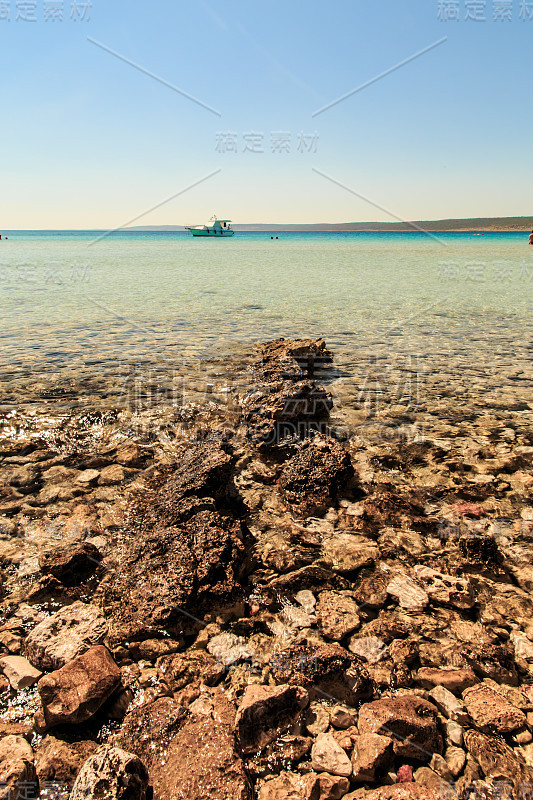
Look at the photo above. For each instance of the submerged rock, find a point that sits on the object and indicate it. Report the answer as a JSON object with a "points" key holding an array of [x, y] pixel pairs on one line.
{"points": [[311, 479], [265, 713]]}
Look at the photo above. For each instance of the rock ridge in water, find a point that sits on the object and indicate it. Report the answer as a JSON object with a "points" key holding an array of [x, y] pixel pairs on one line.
{"points": [[261, 610]]}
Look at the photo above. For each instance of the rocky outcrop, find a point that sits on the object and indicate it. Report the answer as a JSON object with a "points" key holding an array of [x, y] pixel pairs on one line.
{"points": [[193, 553], [311, 480]]}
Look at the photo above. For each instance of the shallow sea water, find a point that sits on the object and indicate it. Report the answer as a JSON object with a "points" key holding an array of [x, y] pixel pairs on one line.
{"points": [[410, 317]]}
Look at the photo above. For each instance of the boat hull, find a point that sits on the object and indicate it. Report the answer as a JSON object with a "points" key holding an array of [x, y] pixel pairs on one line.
{"points": [[211, 232]]}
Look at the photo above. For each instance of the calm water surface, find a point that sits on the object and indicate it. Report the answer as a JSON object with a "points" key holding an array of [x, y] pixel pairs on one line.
{"points": [[74, 306]]}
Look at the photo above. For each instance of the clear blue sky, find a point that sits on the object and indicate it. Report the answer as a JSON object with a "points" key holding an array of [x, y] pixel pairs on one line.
{"points": [[90, 141]]}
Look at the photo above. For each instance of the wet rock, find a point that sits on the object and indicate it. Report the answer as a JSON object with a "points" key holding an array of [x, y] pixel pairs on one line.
{"points": [[409, 720], [405, 774], [181, 669], [492, 661], [372, 753], [410, 595], [328, 756], [291, 359], [75, 692], [342, 717], [429, 779], [71, 564], [445, 589], [17, 768], [152, 649], [188, 757], [113, 774], [283, 754], [65, 635], [287, 786], [193, 568], [455, 760], [265, 712], [491, 712], [317, 718], [310, 481], [497, 760], [228, 649], [402, 791], [19, 672], [449, 705], [336, 615], [112, 475], [326, 671], [455, 680], [347, 553], [369, 648], [325, 787]]}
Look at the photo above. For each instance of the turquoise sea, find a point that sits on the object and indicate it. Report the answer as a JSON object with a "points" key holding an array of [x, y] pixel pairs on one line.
{"points": [[79, 305]]}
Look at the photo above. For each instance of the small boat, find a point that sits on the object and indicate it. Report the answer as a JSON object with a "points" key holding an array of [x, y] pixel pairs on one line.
{"points": [[215, 227]]}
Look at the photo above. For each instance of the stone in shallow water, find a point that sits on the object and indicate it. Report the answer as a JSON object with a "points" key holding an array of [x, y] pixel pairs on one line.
{"points": [[369, 648], [409, 720], [265, 712], [336, 615], [410, 595], [491, 712], [310, 480]]}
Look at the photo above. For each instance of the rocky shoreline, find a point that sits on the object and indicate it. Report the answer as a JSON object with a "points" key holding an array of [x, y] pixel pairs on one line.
{"points": [[266, 607]]}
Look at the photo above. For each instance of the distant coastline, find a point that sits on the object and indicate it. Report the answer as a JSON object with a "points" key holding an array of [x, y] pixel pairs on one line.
{"points": [[474, 224]]}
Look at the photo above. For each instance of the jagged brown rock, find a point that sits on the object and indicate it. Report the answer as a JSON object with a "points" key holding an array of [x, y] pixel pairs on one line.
{"points": [[265, 713], [409, 720], [312, 478], [75, 692]]}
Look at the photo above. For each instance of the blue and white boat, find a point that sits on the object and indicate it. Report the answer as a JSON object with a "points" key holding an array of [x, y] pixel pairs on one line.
{"points": [[215, 227]]}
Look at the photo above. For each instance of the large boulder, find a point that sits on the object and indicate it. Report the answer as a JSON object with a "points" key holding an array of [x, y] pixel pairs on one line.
{"points": [[113, 774], [75, 692], [186, 539], [65, 635], [410, 721]]}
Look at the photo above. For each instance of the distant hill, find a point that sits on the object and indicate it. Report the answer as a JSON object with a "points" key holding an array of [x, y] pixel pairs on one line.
{"points": [[473, 224]]}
